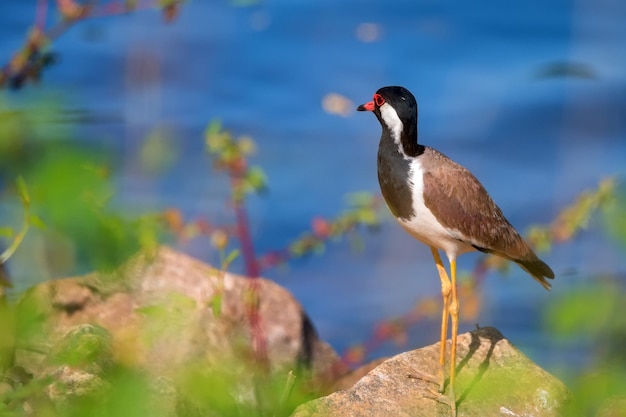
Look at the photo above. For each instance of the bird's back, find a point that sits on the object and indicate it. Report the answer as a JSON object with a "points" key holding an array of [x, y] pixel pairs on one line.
{"points": [[458, 202]]}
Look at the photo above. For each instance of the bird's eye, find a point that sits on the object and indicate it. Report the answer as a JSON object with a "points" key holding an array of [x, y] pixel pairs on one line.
{"points": [[379, 100]]}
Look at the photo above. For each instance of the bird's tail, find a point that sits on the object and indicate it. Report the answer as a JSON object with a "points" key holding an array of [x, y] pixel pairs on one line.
{"points": [[538, 269]]}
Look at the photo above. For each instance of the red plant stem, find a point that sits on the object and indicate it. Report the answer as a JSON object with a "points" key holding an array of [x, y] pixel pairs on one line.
{"points": [[259, 343], [247, 248]]}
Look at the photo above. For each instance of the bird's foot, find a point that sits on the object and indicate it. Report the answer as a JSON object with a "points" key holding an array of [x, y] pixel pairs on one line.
{"points": [[449, 400], [438, 395], [439, 380]]}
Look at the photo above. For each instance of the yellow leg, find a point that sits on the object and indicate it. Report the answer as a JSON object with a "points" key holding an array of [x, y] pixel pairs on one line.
{"points": [[450, 310], [446, 292], [454, 315]]}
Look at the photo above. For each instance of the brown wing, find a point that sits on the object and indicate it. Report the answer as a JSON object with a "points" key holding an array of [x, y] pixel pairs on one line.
{"points": [[463, 206]]}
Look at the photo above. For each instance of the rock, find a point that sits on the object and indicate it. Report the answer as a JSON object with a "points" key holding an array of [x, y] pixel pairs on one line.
{"points": [[165, 312], [76, 365], [84, 346], [493, 379], [72, 384], [348, 380]]}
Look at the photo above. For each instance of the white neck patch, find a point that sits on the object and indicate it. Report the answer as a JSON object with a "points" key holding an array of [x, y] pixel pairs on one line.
{"points": [[393, 122]]}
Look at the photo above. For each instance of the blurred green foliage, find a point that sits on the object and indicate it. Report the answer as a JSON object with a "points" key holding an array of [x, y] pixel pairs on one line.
{"points": [[592, 314], [70, 191], [50, 180]]}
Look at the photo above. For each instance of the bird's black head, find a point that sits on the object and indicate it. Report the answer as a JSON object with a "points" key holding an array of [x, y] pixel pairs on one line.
{"points": [[396, 110], [399, 98]]}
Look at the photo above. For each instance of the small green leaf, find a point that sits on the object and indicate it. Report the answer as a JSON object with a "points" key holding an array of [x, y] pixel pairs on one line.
{"points": [[216, 304], [215, 139], [36, 221], [368, 217], [230, 258], [153, 311], [23, 190], [256, 178]]}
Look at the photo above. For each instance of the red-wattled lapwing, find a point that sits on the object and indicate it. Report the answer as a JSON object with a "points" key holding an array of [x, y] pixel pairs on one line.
{"points": [[442, 205]]}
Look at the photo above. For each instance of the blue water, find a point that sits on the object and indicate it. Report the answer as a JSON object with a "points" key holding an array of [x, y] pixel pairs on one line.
{"points": [[481, 73]]}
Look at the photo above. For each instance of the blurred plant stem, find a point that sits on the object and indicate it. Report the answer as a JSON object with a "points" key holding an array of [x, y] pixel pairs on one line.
{"points": [[259, 343], [27, 64], [229, 155]]}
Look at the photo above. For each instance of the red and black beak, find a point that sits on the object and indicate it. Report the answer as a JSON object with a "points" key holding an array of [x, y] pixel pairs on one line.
{"points": [[369, 106]]}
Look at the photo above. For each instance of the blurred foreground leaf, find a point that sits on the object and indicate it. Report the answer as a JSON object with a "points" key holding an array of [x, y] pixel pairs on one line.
{"points": [[71, 193], [590, 311], [594, 314], [17, 239]]}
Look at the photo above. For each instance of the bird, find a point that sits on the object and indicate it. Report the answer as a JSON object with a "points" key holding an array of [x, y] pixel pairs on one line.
{"points": [[441, 204]]}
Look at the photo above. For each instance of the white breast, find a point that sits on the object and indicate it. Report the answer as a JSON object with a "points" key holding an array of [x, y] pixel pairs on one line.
{"points": [[424, 226], [393, 122]]}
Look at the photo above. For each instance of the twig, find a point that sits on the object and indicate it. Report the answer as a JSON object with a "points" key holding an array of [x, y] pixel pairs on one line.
{"points": [[27, 63], [287, 390]]}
